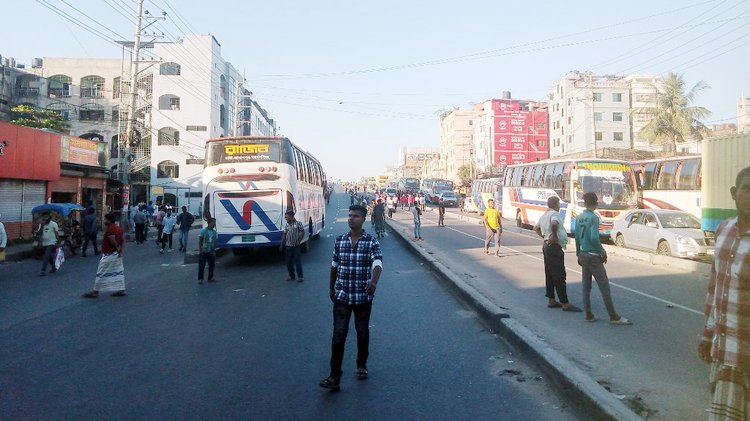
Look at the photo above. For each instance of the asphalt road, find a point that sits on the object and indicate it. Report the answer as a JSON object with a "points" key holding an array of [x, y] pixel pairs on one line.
{"points": [[251, 346], [652, 364]]}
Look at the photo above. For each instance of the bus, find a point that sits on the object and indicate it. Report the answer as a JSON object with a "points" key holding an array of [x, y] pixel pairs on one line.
{"points": [[670, 183], [723, 158], [409, 185], [431, 188], [485, 189], [526, 188], [249, 182]]}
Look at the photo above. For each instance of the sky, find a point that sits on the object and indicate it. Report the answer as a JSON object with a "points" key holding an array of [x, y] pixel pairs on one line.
{"points": [[352, 82]]}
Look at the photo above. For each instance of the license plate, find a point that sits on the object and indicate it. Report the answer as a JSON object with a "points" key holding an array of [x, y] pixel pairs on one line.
{"points": [[248, 238]]}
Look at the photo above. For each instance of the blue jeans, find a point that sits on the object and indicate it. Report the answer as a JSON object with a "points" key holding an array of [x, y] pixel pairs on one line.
{"points": [[293, 259], [49, 257], [418, 230], [184, 238]]}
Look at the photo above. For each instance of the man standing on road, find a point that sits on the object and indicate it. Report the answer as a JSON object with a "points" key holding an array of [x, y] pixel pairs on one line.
{"points": [[90, 229], [110, 274], [355, 271], [726, 336], [441, 212], [168, 221], [140, 224], [592, 257], [378, 215], [550, 228], [207, 250], [417, 223], [3, 241], [185, 221], [291, 243], [49, 234], [493, 227]]}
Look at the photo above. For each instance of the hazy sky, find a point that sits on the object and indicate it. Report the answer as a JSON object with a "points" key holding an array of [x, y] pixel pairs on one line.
{"points": [[354, 81]]}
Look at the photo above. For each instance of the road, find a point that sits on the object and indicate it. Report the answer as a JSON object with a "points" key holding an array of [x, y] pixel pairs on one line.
{"points": [[251, 346], [652, 364]]}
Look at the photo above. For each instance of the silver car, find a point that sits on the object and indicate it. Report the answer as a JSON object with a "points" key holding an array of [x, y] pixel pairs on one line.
{"points": [[667, 232]]}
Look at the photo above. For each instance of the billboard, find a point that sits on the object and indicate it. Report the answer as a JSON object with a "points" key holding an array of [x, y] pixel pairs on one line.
{"points": [[83, 151], [418, 157], [520, 136]]}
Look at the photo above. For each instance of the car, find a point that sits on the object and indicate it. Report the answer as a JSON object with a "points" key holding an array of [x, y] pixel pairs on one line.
{"points": [[666, 232], [449, 198], [390, 191], [469, 205]]}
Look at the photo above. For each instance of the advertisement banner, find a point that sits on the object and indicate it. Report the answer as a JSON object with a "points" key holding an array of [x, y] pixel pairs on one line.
{"points": [[83, 151]]}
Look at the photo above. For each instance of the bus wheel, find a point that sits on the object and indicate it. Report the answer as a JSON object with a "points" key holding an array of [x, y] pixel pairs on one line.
{"points": [[519, 223], [663, 248], [619, 240]]}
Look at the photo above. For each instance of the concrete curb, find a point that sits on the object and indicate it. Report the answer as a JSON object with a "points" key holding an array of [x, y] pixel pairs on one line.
{"points": [[573, 381]]}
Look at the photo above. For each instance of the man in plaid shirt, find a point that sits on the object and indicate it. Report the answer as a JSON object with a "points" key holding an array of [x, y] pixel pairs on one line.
{"points": [[726, 335], [355, 271]]}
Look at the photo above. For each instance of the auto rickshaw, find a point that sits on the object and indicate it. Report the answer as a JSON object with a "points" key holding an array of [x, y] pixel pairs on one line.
{"points": [[67, 216]]}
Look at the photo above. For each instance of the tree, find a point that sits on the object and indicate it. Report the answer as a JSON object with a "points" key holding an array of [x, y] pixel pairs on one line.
{"points": [[464, 174], [674, 118], [38, 118]]}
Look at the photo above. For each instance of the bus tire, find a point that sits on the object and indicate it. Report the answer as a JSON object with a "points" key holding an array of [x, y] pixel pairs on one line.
{"points": [[663, 248], [519, 222], [619, 240]]}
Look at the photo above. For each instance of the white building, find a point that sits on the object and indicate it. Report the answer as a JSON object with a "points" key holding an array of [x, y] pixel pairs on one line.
{"points": [[743, 114], [643, 90], [456, 141]]}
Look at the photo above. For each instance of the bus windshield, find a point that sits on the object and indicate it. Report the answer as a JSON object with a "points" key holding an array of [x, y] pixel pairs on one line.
{"points": [[441, 185], [613, 184], [411, 183], [242, 151]]}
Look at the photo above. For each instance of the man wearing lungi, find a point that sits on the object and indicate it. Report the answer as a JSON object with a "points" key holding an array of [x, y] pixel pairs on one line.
{"points": [[110, 275]]}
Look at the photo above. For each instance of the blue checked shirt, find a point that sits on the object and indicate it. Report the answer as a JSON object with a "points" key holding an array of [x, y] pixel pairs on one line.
{"points": [[354, 265]]}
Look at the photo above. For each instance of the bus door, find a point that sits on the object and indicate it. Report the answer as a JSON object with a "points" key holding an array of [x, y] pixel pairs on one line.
{"points": [[249, 213]]}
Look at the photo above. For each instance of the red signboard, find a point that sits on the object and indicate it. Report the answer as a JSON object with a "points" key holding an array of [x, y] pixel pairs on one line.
{"points": [[29, 154], [83, 151], [520, 134]]}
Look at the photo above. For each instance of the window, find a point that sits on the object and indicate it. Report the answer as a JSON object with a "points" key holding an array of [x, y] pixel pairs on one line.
{"points": [[222, 116], [634, 217], [170, 69], [92, 86], [223, 86], [91, 112], [167, 169], [116, 87], [616, 97], [540, 125], [169, 102], [616, 116], [689, 175], [598, 116], [540, 143], [196, 128], [666, 180], [115, 114], [617, 136], [597, 97], [570, 139], [517, 177], [27, 86], [598, 136], [169, 136], [648, 175], [570, 120], [59, 86]]}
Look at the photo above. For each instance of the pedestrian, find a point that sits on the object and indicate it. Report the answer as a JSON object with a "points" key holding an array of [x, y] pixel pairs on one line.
{"points": [[90, 229], [49, 236], [378, 215], [185, 221], [403, 200], [391, 206], [168, 221], [417, 214], [150, 211], [140, 224], [160, 223], [422, 201], [355, 271], [110, 274], [493, 227], [592, 257], [3, 241], [441, 212], [291, 244], [550, 227], [725, 343], [410, 200], [207, 250]]}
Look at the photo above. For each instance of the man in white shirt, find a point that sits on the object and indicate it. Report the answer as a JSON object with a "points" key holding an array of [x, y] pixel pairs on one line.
{"points": [[169, 221], [550, 227], [49, 235]]}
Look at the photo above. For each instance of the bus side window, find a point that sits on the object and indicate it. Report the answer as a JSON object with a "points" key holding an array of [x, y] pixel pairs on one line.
{"points": [[667, 176], [564, 182], [648, 175], [689, 175], [295, 156]]}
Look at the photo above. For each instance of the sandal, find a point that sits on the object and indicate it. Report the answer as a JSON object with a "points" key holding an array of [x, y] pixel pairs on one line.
{"points": [[362, 373], [621, 321], [329, 383], [118, 294]]}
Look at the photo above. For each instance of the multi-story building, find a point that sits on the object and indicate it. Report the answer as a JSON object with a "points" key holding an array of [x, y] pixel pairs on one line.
{"points": [[412, 161], [643, 90], [510, 131], [456, 141], [743, 114]]}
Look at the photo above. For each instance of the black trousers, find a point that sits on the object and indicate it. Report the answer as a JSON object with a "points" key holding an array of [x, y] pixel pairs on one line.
{"points": [[140, 233], [342, 313], [166, 238], [554, 272], [92, 239]]}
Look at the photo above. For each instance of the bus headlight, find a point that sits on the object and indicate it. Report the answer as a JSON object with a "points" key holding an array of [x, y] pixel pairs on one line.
{"points": [[274, 169], [261, 169], [231, 170], [220, 171]]}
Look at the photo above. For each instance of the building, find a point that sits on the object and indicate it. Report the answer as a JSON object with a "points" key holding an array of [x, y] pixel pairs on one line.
{"points": [[456, 141], [412, 161], [743, 114], [511, 131]]}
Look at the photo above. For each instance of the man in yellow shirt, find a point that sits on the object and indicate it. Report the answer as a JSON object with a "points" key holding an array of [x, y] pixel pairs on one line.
{"points": [[493, 227]]}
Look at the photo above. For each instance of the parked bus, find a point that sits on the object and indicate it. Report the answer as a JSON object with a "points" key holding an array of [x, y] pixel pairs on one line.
{"points": [[249, 183], [408, 184], [670, 183], [485, 189], [431, 187], [723, 158], [526, 188]]}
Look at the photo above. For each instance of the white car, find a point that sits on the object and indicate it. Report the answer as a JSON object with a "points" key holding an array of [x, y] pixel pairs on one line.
{"points": [[666, 232]]}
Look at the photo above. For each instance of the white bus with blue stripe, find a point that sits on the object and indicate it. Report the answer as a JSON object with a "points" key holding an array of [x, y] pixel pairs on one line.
{"points": [[249, 182]]}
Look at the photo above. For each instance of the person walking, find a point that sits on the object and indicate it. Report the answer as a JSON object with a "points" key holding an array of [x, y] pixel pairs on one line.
{"points": [[291, 245], [110, 273], [160, 213], [168, 221], [417, 214], [403, 200], [493, 227], [550, 227], [185, 221], [378, 215], [3, 241], [150, 211], [355, 271], [725, 342], [441, 212], [592, 257], [90, 229], [207, 250], [410, 200], [140, 224], [49, 235]]}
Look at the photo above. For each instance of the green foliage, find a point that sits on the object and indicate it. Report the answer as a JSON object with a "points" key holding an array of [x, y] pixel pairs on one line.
{"points": [[465, 175], [674, 118], [38, 118]]}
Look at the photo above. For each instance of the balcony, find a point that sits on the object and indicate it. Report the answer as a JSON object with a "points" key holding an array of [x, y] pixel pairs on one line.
{"points": [[27, 92]]}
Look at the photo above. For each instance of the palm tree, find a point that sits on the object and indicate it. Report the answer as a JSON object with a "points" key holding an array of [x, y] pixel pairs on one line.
{"points": [[674, 117]]}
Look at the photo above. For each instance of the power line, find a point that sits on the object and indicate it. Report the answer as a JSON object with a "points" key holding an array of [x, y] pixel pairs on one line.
{"points": [[77, 22], [92, 19]]}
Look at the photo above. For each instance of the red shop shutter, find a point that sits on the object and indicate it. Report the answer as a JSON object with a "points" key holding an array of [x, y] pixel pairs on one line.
{"points": [[65, 185]]}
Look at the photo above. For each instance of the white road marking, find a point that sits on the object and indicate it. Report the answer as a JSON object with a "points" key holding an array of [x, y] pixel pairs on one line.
{"points": [[691, 310]]}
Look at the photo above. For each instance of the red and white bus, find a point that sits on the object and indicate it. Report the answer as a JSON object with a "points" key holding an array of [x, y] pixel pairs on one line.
{"points": [[670, 183]]}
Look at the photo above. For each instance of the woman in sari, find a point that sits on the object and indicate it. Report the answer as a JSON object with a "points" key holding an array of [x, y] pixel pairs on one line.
{"points": [[110, 274]]}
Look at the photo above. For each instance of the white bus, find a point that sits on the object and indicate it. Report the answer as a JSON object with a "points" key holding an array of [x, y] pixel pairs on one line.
{"points": [[670, 183], [250, 182], [526, 188]]}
